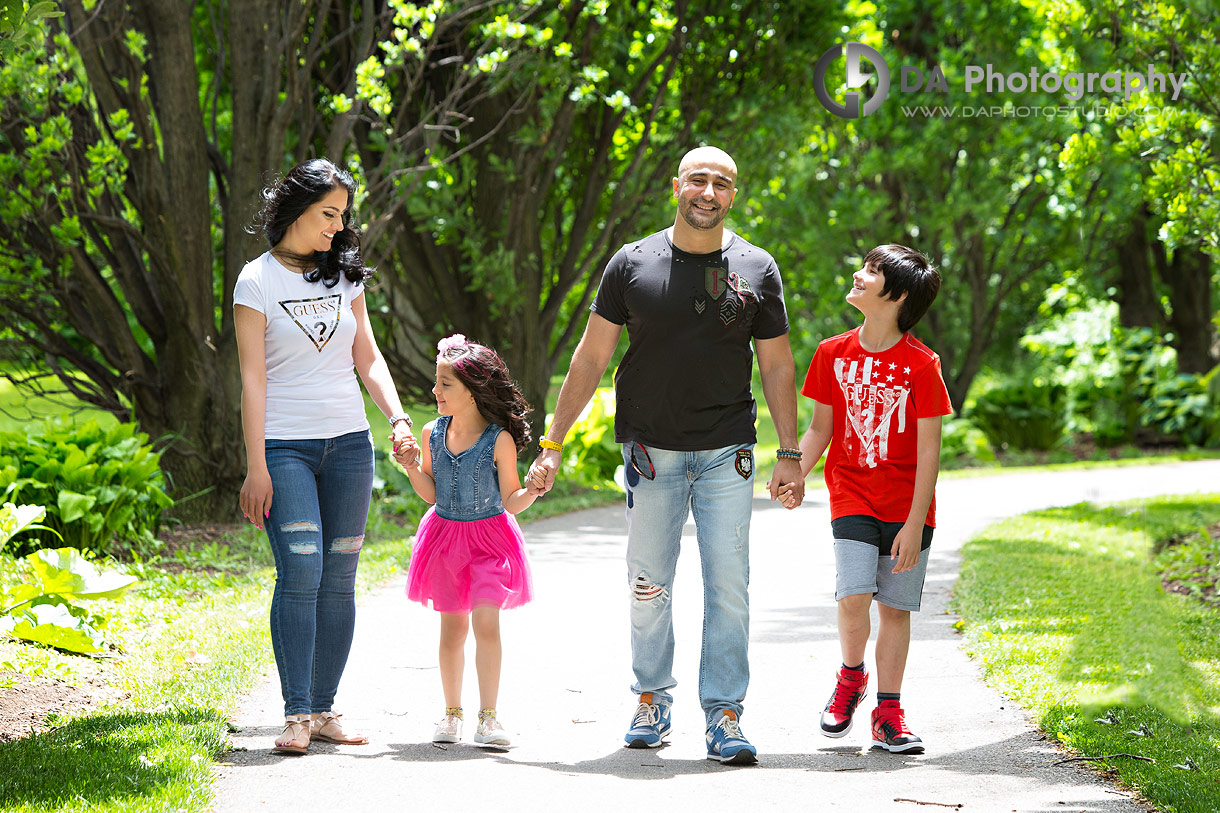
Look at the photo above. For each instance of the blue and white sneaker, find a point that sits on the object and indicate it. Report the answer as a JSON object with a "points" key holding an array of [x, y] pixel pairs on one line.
{"points": [[651, 724], [726, 743]]}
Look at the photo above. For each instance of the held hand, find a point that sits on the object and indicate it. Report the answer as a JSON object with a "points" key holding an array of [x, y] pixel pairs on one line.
{"points": [[787, 497], [535, 482], [787, 473], [543, 471], [407, 454], [906, 547], [400, 435], [255, 497]]}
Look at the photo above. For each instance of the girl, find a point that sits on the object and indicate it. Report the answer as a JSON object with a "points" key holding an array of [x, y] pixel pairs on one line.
{"points": [[469, 556], [302, 327]]}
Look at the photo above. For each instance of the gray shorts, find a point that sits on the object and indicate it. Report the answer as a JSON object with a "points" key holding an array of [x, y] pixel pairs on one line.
{"points": [[860, 567]]}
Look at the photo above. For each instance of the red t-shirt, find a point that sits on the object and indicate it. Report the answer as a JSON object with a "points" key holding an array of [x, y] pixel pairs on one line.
{"points": [[876, 400]]}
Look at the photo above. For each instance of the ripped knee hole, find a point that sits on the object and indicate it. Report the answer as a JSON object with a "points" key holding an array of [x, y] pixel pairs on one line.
{"points": [[644, 590], [347, 544]]}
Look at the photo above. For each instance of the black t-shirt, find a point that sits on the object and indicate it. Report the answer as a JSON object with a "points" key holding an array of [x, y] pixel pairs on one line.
{"points": [[684, 383]]}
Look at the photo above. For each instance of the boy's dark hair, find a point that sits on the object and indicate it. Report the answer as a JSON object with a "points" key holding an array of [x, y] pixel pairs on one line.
{"points": [[485, 374], [906, 272]]}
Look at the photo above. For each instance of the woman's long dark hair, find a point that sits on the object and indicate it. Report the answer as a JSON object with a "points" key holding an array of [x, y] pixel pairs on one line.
{"points": [[485, 374], [287, 199]]}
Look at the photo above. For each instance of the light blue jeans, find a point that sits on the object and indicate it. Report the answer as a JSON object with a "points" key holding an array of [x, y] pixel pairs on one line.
{"points": [[319, 508], [717, 485]]}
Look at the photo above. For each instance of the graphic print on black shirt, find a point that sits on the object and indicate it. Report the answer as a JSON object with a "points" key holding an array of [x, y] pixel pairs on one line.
{"points": [[317, 317], [684, 383], [729, 289]]}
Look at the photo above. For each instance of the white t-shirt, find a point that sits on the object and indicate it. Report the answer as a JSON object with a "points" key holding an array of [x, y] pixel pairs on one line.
{"points": [[312, 390]]}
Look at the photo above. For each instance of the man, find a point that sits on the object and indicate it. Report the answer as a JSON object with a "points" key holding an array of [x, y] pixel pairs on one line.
{"points": [[692, 297]]}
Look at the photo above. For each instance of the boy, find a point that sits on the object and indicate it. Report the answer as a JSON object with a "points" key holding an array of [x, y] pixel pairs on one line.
{"points": [[879, 398]]}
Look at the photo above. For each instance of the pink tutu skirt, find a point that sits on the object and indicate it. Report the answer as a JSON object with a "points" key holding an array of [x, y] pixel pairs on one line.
{"points": [[456, 566]]}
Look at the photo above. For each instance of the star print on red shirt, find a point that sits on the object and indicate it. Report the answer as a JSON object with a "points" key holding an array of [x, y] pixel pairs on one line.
{"points": [[876, 401]]}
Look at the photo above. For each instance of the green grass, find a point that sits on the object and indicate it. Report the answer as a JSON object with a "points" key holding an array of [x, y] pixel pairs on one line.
{"points": [[192, 642], [1133, 456], [18, 408], [1065, 611], [194, 636]]}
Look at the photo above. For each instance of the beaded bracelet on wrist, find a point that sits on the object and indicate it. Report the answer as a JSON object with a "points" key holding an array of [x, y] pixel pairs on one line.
{"points": [[791, 454]]}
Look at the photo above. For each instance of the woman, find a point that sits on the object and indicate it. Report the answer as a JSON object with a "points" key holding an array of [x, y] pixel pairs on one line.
{"points": [[302, 326]]}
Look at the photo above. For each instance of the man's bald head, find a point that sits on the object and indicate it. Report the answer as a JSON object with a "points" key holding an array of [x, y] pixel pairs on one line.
{"points": [[710, 158], [704, 190]]}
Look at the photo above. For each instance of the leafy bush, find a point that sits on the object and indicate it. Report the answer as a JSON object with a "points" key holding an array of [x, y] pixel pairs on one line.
{"points": [[1134, 385], [1022, 413], [1117, 380], [1183, 407], [393, 488], [1124, 382], [590, 451], [43, 609], [39, 605], [16, 519], [964, 444], [100, 486]]}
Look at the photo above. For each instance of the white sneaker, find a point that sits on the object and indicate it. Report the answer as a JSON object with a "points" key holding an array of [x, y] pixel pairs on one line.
{"points": [[490, 732], [448, 729]]}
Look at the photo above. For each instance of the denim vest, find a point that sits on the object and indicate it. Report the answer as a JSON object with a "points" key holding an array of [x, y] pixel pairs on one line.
{"points": [[467, 484]]}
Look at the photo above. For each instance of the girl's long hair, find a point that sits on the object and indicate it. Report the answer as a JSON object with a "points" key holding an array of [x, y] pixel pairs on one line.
{"points": [[484, 373], [287, 199]]}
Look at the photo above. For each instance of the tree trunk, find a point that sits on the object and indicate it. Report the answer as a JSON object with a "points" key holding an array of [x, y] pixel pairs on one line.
{"points": [[1138, 305], [1189, 276], [535, 382], [205, 462], [187, 398]]}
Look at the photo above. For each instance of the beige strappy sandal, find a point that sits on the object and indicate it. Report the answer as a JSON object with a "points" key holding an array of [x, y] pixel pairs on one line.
{"points": [[326, 727], [294, 739]]}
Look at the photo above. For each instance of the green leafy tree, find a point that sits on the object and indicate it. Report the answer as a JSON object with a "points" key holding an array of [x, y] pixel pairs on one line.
{"points": [[19, 24], [1155, 163], [580, 113], [106, 264], [979, 193], [506, 149], [134, 145]]}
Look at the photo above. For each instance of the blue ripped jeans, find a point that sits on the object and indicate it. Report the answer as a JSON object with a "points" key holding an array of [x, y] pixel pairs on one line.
{"points": [[717, 486], [319, 506]]}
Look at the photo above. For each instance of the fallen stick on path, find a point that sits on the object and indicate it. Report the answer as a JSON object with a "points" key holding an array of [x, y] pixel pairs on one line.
{"points": [[1107, 756], [957, 806]]}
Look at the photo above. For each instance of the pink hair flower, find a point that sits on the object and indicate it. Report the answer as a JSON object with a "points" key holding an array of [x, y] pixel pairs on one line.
{"points": [[456, 340]]}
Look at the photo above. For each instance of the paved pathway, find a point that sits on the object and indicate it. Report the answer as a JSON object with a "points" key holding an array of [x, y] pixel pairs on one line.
{"points": [[567, 670]]}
